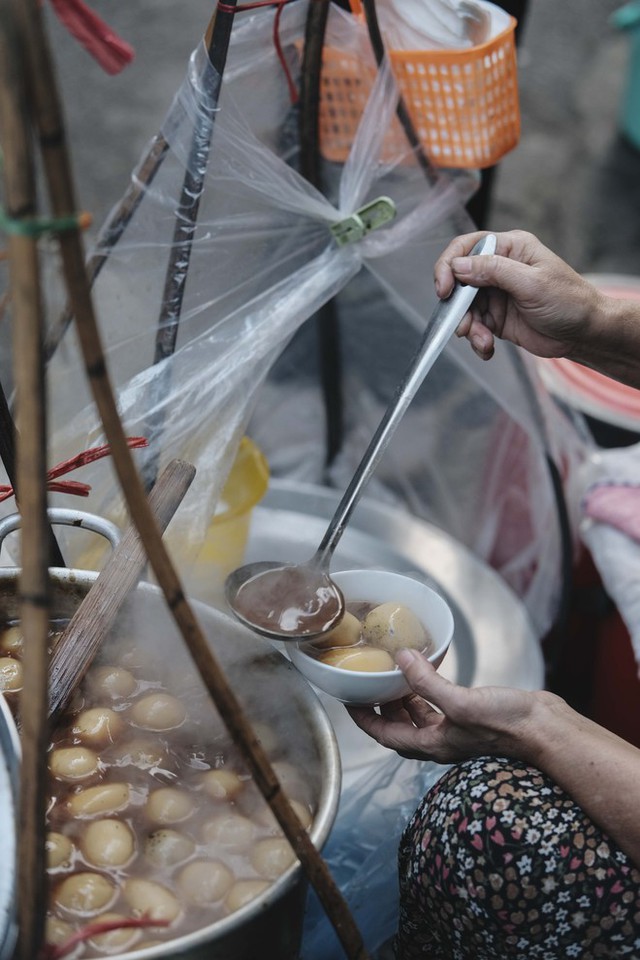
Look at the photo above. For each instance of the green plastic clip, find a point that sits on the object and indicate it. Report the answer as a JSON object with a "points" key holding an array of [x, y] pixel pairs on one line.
{"points": [[370, 217]]}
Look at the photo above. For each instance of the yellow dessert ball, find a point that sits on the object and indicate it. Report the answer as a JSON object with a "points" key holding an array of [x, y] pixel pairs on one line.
{"points": [[362, 659], [392, 626], [344, 635]]}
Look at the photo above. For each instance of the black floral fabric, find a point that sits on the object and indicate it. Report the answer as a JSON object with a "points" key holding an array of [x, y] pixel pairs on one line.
{"points": [[499, 862]]}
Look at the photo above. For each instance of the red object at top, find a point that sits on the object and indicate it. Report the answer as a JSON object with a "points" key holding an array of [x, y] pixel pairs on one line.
{"points": [[97, 37]]}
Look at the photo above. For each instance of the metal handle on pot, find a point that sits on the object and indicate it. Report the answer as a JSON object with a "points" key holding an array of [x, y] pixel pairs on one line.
{"points": [[68, 518]]}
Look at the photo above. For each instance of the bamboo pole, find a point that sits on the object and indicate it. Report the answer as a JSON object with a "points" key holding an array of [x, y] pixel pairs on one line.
{"points": [[57, 169], [33, 583], [217, 39], [326, 319]]}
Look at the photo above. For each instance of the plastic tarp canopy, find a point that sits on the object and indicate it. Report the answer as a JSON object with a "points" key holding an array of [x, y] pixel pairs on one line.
{"points": [[472, 454]]}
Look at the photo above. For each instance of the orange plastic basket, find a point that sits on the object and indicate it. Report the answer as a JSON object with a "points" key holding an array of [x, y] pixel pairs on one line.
{"points": [[463, 103]]}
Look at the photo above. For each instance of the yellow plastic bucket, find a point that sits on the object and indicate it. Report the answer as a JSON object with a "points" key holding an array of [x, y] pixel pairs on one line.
{"points": [[204, 566], [225, 541]]}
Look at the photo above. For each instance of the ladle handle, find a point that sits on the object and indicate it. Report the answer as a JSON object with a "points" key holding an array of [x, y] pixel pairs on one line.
{"points": [[441, 326]]}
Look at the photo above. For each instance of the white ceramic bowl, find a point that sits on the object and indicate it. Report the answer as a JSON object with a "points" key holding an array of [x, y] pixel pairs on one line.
{"points": [[378, 586]]}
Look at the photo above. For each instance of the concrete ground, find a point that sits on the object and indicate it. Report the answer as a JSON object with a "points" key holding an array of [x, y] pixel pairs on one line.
{"points": [[571, 179]]}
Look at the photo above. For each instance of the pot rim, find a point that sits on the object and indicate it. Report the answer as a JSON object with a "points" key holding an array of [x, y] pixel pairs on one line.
{"points": [[330, 783]]}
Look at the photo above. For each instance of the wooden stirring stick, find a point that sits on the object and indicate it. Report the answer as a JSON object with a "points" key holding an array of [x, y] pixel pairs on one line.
{"points": [[95, 616]]}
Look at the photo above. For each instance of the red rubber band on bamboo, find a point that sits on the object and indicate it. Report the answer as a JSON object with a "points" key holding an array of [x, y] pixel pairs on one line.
{"points": [[74, 463]]}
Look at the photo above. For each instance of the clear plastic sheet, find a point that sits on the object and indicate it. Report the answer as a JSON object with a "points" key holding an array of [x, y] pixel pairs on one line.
{"points": [[362, 853], [471, 455]]}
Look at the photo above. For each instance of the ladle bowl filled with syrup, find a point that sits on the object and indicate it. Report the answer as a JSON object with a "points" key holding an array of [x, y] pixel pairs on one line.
{"points": [[292, 602], [385, 612], [286, 601]]}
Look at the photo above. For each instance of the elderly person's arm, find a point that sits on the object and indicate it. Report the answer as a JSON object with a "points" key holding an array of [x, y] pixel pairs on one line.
{"points": [[447, 723], [534, 299]]}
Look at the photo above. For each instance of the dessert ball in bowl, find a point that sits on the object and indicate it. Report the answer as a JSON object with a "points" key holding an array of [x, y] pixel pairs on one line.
{"points": [[386, 612]]}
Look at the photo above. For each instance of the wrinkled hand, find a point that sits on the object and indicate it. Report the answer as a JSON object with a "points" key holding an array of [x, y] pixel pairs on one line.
{"points": [[444, 722], [529, 295]]}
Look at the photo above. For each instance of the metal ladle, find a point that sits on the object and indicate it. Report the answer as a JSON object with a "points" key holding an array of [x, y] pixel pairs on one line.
{"points": [[294, 601]]}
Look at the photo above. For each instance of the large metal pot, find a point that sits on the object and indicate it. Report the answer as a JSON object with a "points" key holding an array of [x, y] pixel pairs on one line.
{"points": [[272, 922]]}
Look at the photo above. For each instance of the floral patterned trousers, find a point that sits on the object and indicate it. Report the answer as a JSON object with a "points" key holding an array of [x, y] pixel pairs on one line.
{"points": [[498, 862]]}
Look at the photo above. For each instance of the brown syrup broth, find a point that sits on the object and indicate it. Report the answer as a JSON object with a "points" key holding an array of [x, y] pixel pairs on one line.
{"points": [[287, 600], [193, 748]]}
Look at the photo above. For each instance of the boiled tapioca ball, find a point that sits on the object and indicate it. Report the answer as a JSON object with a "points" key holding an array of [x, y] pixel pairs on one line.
{"points": [[146, 898], [169, 805], [117, 940], [204, 882], [108, 843], [230, 830], [166, 847], [59, 850], [103, 800], [85, 893], [222, 784], [271, 857], [11, 675], [73, 763], [111, 681], [98, 726], [243, 892], [56, 931], [158, 711]]}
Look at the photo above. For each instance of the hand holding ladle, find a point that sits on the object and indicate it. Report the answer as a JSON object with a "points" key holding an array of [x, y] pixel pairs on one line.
{"points": [[300, 601]]}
